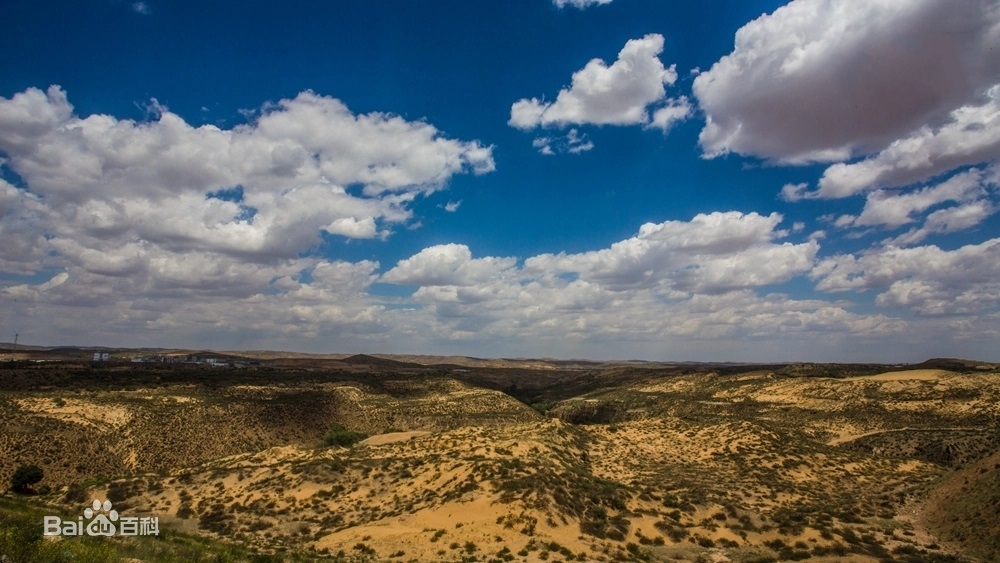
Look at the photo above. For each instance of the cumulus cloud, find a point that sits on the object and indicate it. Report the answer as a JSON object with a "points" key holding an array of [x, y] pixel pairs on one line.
{"points": [[675, 282], [702, 288], [890, 208], [580, 4], [794, 192], [620, 94], [925, 279], [676, 110], [948, 220], [158, 224], [930, 298], [199, 299], [105, 183], [712, 253], [156, 229], [24, 243], [448, 264], [821, 80], [970, 136]]}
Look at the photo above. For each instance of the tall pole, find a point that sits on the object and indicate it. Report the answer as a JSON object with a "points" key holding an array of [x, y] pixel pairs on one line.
{"points": [[15, 342]]}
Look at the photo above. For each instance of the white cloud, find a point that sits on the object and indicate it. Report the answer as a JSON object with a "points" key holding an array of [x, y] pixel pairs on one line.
{"points": [[794, 192], [580, 4], [948, 220], [128, 223], [683, 289], [544, 145], [448, 264], [197, 298], [822, 80], [142, 8], [970, 136], [573, 142], [890, 208], [104, 184], [844, 221], [677, 285], [452, 206], [29, 115], [926, 279], [619, 94], [24, 243], [930, 298], [676, 110], [577, 147], [712, 253], [160, 228]]}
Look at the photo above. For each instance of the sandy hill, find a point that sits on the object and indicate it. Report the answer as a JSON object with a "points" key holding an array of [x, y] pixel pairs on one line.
{"points": [[695, 463]]}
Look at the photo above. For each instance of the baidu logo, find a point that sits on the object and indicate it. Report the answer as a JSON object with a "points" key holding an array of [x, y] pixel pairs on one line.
{"points": [[100, 519]]}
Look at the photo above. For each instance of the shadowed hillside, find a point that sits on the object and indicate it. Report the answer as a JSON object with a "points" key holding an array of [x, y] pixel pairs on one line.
{"points": [[965, 508]]}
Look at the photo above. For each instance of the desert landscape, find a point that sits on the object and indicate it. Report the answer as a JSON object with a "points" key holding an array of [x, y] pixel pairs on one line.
{"points": [[540, 281], [269, 457]]}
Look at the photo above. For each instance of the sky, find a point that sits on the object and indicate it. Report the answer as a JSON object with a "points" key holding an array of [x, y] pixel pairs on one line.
{"points": [[726, 180]]}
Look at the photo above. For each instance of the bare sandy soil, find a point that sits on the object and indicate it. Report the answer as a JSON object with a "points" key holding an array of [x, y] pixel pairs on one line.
{"points": [[916, 374], [391, 437]]}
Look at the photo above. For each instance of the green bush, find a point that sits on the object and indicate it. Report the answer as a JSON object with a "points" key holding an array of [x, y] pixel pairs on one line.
{"points": [[25, 477], [337, 435]]}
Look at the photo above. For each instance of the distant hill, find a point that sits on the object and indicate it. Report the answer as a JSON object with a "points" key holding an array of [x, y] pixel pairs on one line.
{"points": [[380, 363], [952, 364], [411, 361], [8, 346]]}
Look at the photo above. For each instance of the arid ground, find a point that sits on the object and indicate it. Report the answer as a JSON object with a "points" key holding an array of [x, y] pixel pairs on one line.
{"points": [[515, 460]]}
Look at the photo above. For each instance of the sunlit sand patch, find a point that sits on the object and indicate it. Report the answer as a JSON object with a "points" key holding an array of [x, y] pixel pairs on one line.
{"points": [[918, 374], [677, 386], [477, 522], [392, 437], [101, 416]]}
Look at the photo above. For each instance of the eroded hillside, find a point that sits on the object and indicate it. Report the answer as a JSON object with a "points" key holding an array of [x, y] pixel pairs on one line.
{"points": [[92, 424], [868, 463]]}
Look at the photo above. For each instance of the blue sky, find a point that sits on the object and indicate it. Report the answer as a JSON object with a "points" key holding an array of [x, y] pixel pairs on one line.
{"points": [[723, 180]]}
